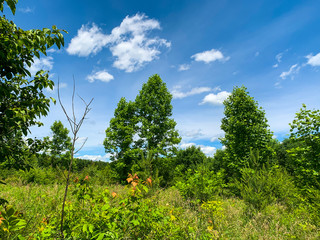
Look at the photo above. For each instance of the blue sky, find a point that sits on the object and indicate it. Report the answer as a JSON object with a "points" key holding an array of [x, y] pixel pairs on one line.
{"points": [[201, 49]]}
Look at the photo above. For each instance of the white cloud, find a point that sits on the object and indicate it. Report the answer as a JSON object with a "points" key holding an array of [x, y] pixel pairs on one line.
{"points": [[294, 69], [216, 99], [279, 57], [128, 43], [313, 60], [184, 67], [176, 93], [187, 145], [44, 63], [61, 85], [207, 150], [192, 134], [89, 40], [210, 56], [25, 10], [52, 50], [213, 139], [96, 157], [103, 76]]}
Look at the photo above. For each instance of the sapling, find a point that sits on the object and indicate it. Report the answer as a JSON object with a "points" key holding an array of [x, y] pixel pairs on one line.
{"points": [[75, 127]]}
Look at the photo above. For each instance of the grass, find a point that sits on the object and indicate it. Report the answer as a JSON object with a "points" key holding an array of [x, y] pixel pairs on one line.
{"points": [[181, 218]]}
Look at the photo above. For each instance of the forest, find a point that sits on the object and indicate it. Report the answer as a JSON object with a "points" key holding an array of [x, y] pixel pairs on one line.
{"points": [[255, 187]]}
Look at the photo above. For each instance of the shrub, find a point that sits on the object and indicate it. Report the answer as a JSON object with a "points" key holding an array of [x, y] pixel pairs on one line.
{"points": [[38, 175], [260, 188], [202, 185]]}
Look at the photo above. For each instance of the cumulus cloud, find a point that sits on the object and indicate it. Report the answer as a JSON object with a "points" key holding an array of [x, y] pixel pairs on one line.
{"points": [[313, 60], [129, 43], [176, 93], [183, 67], [210, 56], [294, 69], [96, 157], [44, 63], [193, 134], [216, 99], [103, 76], [89, 40], [207, 150]]}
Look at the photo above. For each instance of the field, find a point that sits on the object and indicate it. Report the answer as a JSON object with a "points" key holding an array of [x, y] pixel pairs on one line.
{"points": [[146, 212]]}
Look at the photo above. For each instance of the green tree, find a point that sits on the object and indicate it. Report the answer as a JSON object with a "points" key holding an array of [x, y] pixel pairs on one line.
{"points": [[246, 128], [119, 137], [189, 158], [22, 100], [156, 129], [141, 127], [59, 145], [304, 153]]}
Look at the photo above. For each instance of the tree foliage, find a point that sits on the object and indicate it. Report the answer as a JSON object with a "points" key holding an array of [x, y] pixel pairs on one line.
{"points": [[143, 125], [120, 133], [154, 109], [189, 158], [119, 140], [246, 128], [59, 145], [22, 100], [305, 151]]}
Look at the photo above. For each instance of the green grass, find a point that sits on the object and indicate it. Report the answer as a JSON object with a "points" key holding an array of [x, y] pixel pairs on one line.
{"points": [[171, 216]]}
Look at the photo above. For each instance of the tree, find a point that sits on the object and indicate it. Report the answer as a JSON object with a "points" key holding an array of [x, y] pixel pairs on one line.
{"points": [[119, 137], [246, 128], [142, 126], [22, 100], [59, 145], [304, 153], [154, 109], [75, 126], [189, 158], [119, 134]]}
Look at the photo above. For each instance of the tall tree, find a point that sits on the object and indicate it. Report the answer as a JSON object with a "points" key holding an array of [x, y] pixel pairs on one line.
{"points": [[154, 109], [22, 100], [246, 128], [304, 153], [119, 140], [120, 133], [142, 127]]}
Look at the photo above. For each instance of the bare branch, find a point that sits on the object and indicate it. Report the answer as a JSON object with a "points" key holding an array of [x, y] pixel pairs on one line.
{"points": [[64, 110], [81, 146]]}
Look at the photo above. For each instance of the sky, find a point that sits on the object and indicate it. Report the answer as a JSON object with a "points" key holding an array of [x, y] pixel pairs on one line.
{"points": [[201, 50]]}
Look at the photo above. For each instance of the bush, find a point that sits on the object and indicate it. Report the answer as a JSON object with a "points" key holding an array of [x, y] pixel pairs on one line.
{"points": [[260, 188], [39, 175], [202, 185]]}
